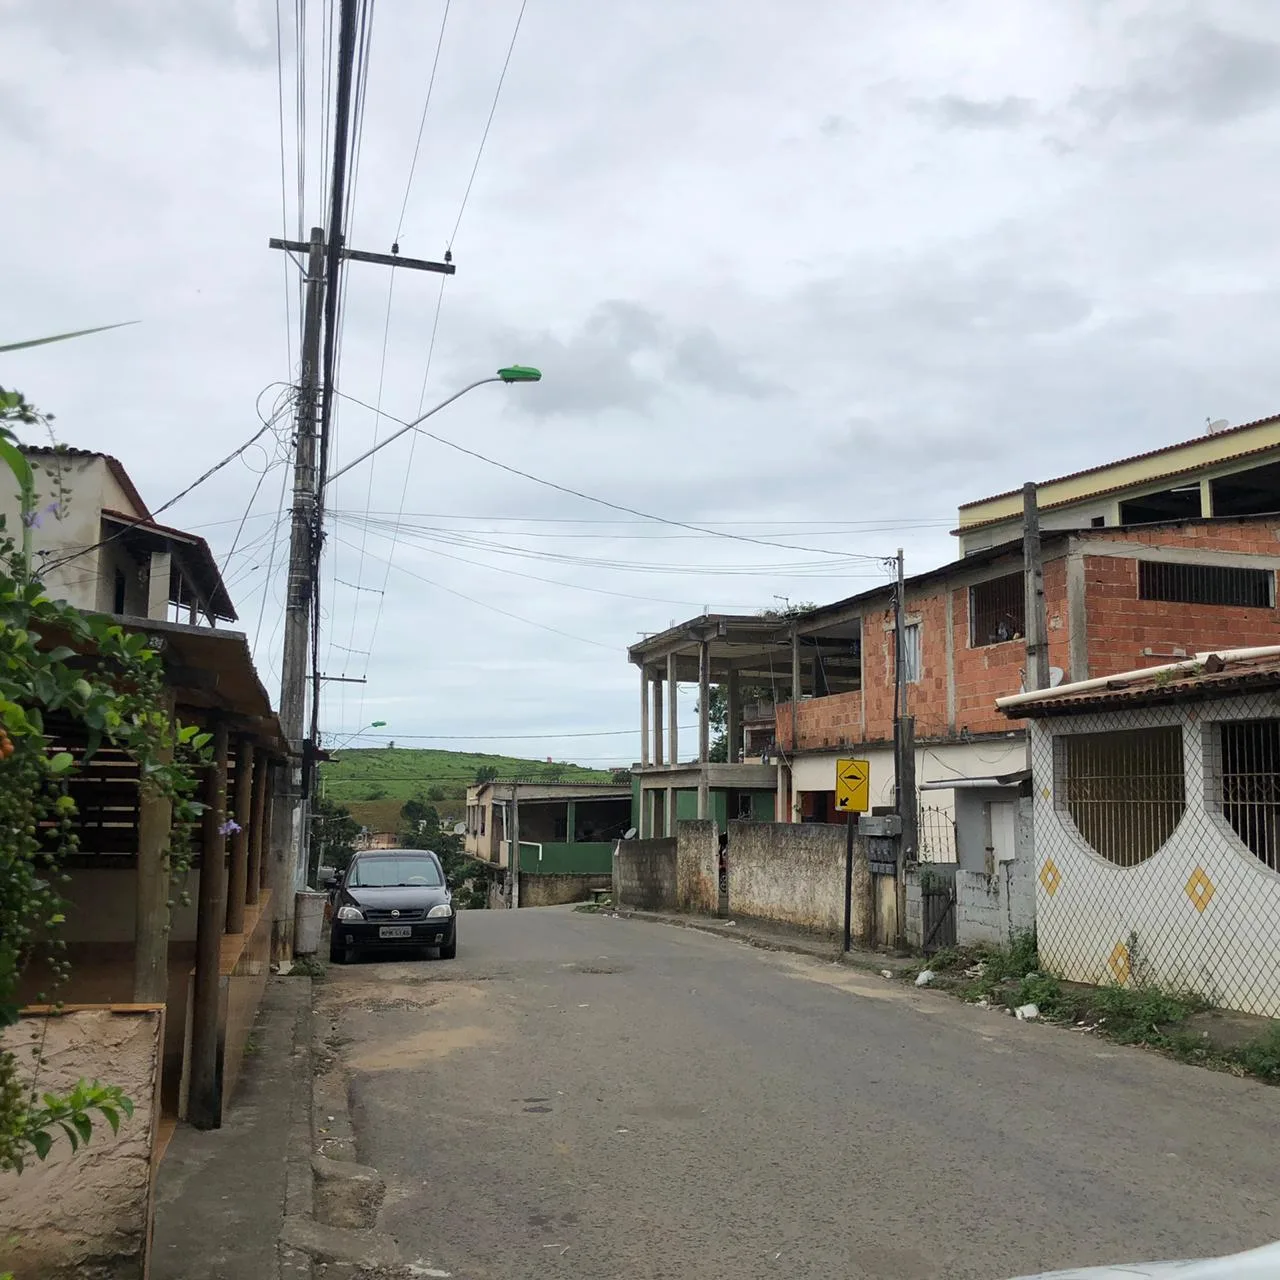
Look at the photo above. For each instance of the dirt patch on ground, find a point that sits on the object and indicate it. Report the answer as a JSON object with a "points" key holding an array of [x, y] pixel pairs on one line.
{"points": [[408, 1052]]}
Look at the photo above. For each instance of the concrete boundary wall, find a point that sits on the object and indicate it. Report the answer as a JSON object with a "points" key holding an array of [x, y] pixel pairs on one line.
{"points": [[88, 1213], [794, 873], [644, 875], [698, 866]]}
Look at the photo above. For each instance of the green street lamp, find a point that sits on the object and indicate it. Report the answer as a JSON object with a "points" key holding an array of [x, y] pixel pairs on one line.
{"points": [[512, 373]]}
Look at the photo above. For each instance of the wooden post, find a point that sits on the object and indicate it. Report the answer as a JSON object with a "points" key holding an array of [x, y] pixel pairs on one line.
{"points": [[151, 918], [268, 826], [204, 1103], [704, 728], [257, 828], [238, 876]]}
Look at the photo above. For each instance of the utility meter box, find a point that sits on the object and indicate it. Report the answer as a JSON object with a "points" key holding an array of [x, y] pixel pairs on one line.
{"points": [[880, 824]]}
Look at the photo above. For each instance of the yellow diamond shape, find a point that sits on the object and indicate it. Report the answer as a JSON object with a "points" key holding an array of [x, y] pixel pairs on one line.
{"points": [[1119, 962], [1050, 877], [1200, 889]]}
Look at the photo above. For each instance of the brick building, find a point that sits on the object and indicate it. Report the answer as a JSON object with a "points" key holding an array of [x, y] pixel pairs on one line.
{"points": [[1116, 598]]}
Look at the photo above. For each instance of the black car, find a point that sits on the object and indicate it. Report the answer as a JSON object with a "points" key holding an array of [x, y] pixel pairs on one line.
{"points": [[390, 898]]}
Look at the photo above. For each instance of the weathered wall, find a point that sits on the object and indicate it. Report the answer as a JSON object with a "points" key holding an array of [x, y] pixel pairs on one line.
{"points": [[555, 890], [644, 875], [794, 874], [87, 1216], [992, 908], [697, 866], [244, 987]]}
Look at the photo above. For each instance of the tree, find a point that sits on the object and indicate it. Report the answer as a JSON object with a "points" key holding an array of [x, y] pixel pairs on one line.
{"points": [[437, 795], [421, 828], [117, 696], [335, 830], [486, 773]]}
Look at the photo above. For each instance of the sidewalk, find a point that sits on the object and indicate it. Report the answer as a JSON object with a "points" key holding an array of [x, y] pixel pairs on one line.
{"points": [[221, 1196], [769, 936]]}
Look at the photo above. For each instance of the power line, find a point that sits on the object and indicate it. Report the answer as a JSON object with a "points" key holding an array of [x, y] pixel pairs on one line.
{"points": [[422, 123], [484, 604], [604, 502], [501, 737], [555, 582], [488, 124]]}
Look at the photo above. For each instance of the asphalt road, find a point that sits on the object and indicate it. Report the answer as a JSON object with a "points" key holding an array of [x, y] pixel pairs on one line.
{"points": [[581, 1096]]}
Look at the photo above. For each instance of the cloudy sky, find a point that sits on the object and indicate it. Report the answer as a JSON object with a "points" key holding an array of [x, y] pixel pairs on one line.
{"points": [[807, 273]]}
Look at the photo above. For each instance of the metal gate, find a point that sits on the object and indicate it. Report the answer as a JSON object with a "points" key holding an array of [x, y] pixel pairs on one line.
{"points": [[938, 899]]}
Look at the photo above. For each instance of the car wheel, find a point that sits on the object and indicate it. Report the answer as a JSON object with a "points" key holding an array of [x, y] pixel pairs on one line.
{"points": [[449, 951], [340, 955]]}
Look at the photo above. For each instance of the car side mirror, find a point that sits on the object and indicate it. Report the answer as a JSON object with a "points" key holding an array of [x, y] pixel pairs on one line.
{"points": [[333, 882]]}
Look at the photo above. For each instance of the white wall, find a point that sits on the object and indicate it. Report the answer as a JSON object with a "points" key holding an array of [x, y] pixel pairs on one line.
{"points": [[1201, 914]]}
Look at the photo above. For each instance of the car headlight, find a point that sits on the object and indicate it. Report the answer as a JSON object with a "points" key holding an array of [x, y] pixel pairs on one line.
{"points": [[348, 912], [443, 909]]}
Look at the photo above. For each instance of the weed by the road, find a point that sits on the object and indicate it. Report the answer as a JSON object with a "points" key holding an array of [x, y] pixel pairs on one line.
{"points": [[1145, 1014], [308, 967]]}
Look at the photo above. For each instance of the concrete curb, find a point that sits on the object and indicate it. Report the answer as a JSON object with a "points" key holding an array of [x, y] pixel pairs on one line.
{"points": [[743, 933], [292, 1264]]}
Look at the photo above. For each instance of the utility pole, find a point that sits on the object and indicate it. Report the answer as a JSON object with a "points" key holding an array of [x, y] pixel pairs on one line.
{"points": [[288, 819], [513, 850], [904, 750], [1036, 628]]}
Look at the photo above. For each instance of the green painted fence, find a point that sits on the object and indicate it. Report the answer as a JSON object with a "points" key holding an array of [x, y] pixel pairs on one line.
{"points": [[587, 858]]}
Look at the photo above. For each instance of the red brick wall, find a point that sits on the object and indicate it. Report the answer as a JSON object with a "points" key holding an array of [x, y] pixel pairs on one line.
{"points": [[1120, 625], [822, 722], [982, 675]]}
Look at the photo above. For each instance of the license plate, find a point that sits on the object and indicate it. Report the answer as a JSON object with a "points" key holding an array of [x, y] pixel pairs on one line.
{"points": [[395, 931]]}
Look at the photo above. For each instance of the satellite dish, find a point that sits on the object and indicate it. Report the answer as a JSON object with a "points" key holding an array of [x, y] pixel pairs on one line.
{"points": [[1216, 426], [1055, 677], [629, 834], [459, 828]]}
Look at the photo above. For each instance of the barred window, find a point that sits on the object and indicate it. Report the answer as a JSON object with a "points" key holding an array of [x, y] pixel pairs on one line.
{"points": [[1204, 584], [997, 610], [912, 653], [1125, 791], [1250, 784]]}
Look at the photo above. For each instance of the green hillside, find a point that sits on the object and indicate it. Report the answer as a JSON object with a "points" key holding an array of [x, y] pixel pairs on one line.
{"points": [[374, 782]]}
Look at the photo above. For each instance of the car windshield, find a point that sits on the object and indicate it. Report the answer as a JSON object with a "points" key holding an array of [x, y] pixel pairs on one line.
{"points": [[386, 873]]}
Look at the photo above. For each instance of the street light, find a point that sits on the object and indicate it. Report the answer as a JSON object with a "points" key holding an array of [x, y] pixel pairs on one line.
{"points": [[376, 724], [512, 373]]}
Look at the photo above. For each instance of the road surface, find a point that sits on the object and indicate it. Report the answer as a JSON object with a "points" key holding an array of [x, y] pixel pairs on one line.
{"points": [[582, 1096]]}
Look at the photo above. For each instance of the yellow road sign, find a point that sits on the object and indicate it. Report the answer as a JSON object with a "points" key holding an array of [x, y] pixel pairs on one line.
{"points": [[853, 786]]}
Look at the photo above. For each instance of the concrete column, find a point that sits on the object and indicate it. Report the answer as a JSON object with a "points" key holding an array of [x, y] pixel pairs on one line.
{"points": [[151, 920], [781, 805], [669, 813], [657, 719], [644, 715], [268, 818], [795, 689], [1206, 499], [1077, 618], [204, 1105], [570, 820], [733, 721], [673, 711], [257, 828], [238, 876], [158, 585], [951, 661]]}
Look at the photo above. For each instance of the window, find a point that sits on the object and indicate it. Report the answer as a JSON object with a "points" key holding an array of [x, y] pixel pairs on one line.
{"points": [[1204, 584], [997, 610], [1249, 753], [911, 654], [384, 873], [1125, 791]]}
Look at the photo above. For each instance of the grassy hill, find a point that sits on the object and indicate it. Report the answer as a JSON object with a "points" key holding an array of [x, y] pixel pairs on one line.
{"points": [[374, 782]]}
